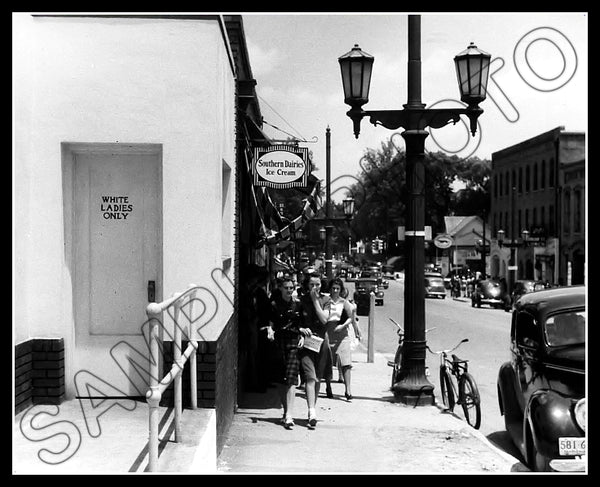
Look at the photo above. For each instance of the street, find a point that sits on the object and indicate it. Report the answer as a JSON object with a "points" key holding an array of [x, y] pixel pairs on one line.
{"points": [[449, 321]]}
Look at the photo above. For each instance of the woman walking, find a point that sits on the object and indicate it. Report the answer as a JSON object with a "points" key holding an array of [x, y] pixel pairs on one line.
{"points": [[338, 314]]}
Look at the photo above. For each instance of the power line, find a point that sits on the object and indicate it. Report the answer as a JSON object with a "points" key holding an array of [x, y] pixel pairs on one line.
{"points": [[279, 115]]}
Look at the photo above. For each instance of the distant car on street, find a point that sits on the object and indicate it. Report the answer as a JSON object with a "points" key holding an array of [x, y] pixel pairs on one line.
{"points": [[541, 389], [362, 294], [492, 293], [434, 286], [352, 273], [524, 286]]}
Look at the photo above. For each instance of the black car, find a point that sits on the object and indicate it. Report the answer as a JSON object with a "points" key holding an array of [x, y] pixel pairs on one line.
{"points": [[525, 286], [541, 389], [362, 294], [491, 292], [434, 286]]}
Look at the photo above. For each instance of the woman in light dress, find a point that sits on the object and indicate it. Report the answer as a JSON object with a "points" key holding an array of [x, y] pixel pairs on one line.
{"points": [[339, 314]]}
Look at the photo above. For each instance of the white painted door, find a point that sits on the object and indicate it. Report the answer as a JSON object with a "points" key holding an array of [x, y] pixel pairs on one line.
{"points": [[117, 256]]}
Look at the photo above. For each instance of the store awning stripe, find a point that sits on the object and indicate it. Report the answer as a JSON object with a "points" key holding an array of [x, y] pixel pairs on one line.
{"points": [[308, 212]]}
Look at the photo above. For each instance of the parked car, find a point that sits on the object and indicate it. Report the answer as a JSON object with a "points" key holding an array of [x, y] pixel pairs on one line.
{"points": [[434, 286], [389, 275], [352, 273], [525, 286], [491, 292], [541, 389], [362, 294]]}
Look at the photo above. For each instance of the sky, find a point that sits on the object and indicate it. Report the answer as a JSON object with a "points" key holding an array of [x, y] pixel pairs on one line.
{"points": [[538, 78]]}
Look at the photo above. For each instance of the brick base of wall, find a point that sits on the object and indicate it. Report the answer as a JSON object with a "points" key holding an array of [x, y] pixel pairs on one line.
{"points": [[217, 378], [206, 357], [39, 372]]}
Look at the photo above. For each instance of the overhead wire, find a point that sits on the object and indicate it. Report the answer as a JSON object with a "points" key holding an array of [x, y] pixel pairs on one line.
{"points": [[282, 118]]}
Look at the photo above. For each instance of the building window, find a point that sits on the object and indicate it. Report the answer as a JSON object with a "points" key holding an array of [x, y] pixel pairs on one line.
{"points": [[543, 216], [534, 217], [500, 185], [520, 184], [519, 228], [535, 177], [495, 186], [577, 211], [567, 213], [506, 183], [527, 218], [514, 180], [551, 173], [227, 223], [527, 179], [543, 176], [551, 226]]}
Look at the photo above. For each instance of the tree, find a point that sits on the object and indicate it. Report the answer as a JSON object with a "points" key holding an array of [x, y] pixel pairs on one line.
{"points": [[474, 199], [381, 193]]}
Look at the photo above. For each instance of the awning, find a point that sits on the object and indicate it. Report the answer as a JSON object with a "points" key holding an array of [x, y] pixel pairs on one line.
{"points": [[309, 210], [279, 265]]}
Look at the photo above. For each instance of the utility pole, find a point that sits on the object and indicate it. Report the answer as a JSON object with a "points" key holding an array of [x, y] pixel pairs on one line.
{"points": [[328, 225]]}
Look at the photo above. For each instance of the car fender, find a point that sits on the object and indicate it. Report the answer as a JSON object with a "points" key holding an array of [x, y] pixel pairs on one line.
{"points": [[549, 415], [508, 403]]}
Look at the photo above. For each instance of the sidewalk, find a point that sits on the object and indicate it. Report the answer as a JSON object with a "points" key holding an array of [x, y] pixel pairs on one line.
{"points": [[372, 434]]}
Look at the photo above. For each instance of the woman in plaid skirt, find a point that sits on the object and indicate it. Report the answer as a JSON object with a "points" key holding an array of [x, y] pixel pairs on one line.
{"points": [[284, 328]]}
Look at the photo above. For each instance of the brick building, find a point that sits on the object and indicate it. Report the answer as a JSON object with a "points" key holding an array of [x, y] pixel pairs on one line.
{"points": [[538, 186]]}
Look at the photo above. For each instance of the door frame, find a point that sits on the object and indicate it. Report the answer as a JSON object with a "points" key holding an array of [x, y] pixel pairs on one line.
{"points": [[69, 150]]}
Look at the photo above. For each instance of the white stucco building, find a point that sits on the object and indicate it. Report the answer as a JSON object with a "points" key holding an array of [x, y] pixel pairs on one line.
{"points": [[124, 176]]}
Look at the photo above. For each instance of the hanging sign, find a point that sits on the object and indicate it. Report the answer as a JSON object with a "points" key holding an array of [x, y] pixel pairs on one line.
{"points": [[281, 166], [443, 241]]}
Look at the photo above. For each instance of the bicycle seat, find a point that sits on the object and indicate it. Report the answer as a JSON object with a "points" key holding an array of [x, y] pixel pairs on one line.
{"points": [[457, 360]]}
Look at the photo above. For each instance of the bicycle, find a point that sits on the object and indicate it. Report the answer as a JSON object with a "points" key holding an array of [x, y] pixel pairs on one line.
{"points": [[397, 362], [462, 386]]}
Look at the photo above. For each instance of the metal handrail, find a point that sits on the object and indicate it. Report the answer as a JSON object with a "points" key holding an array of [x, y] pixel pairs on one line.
{"points": [[157, 388]]}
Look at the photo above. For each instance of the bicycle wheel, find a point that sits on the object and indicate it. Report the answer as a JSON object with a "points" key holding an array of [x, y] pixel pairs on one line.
{"points": [[471, 402], [446, 388], [397, 364]]}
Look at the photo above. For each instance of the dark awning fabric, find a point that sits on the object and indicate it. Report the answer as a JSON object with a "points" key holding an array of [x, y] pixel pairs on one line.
{"points": [[272, 236], [256, 135]]}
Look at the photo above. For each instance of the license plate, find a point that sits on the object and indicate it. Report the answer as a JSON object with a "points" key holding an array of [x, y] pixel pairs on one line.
{"points": [[571, 446]]}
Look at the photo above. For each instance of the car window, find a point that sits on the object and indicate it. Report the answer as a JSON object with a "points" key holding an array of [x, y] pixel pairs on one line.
{"points": [[526, 330], [366, 284], [434, 281], [566, 329]]}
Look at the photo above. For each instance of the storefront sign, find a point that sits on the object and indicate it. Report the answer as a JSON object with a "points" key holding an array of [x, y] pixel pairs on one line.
{"points": [[281, 166]]}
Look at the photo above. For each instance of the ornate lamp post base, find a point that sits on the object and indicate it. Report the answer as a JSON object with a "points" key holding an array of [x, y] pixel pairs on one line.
{"points": [[413, 387], [414, 394]]}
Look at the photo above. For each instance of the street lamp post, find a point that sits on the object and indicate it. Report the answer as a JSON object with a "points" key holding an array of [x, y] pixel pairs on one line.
{"points": [[472, 67], [348, 205]]}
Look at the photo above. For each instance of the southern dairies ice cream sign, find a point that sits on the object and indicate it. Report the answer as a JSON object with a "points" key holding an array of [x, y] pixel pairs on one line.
{"points": [[281, 166]]}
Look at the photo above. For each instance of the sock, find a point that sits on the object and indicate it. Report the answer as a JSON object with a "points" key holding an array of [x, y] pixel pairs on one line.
{"points": [[311, 412]]}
